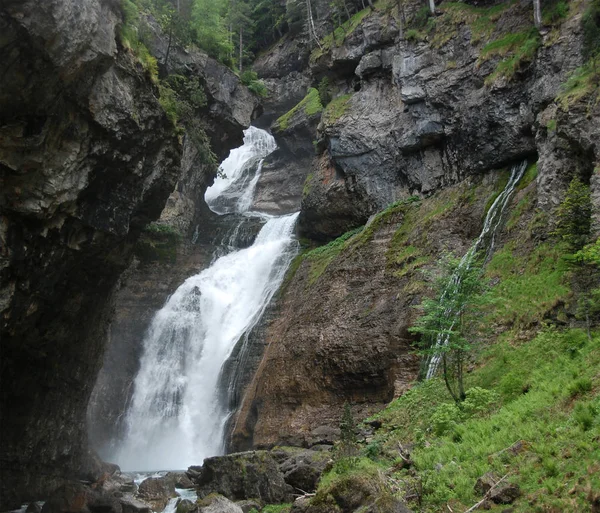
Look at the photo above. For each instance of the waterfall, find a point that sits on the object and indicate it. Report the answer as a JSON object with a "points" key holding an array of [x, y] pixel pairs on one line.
{"points": [[487, 241], [176, 418]]}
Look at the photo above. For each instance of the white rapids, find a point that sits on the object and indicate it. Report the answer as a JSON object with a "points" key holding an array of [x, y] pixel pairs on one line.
{"points": [[175, 418]]}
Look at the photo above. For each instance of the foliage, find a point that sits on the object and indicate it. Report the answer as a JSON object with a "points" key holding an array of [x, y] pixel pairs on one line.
{"points": [[542, 434], [310, 105], [590, 23], [573, 216], [129, 34], [554, 12], [250, 79], [449, 319], [181, 98], [324, 91]]}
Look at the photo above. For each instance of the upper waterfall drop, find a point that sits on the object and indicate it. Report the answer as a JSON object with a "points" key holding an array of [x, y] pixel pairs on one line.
{"points": [[176, 417], [233, 189]]}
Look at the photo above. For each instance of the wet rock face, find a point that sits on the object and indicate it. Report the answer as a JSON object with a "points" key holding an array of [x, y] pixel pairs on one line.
{"points": [[87, 158]]}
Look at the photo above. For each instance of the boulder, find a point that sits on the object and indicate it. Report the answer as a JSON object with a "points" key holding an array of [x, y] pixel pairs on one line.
{"points": [[506, 493], [74, 497], [33, 507], [249, 505], [216, 503], [157, 491], [130, 504], [303, 470], [185, 506], [248, 475], [180, 480]]}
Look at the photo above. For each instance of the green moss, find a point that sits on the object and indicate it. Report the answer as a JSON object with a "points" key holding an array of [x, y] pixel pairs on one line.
{"points": [[336, 108], [310, 105], [307, 185], [551, 126], [553, 13], [528, 177]]}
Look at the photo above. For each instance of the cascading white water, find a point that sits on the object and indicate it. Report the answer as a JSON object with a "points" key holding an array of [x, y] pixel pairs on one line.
{"points": [[487, 239], [175, 418]]}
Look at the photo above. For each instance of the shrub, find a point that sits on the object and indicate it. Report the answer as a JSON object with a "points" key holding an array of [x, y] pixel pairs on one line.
{"points": [[445, 418], [580, 386], [574, 215], [479, 400]]}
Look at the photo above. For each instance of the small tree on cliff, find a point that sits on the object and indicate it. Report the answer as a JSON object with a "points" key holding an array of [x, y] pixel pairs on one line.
{"points": [[449, 321]]}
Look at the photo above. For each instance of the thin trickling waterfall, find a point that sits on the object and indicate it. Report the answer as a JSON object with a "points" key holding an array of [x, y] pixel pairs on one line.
{"points": [[175, 418], [486, 241]]}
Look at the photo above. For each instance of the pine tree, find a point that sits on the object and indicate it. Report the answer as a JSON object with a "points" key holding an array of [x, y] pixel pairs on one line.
{"points": [[449, 320], [573, 216]]}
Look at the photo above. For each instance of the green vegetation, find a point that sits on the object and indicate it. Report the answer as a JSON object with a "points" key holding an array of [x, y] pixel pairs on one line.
{"points": [[319, 258], [337, 37], [481, 20], [274, 508], [129, 34], [584, 82], [250, 79], [581, 84], [336, 109], [310, 105], [555, 12], [449, 320], [573, 216], [517, 49], [158, 243]]}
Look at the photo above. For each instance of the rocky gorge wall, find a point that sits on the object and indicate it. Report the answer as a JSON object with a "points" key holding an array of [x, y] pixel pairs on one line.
{"points": [[87, 159], [415, 110]]}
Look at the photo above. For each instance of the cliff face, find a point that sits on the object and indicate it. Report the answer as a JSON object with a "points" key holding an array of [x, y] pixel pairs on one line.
{"points": [[414, 111], [87, 159]]}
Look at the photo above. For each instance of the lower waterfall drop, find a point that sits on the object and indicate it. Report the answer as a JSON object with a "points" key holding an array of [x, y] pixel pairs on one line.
{"points": [[175, 418]]}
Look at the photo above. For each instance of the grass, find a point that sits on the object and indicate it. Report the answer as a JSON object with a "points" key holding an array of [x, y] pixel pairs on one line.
{"points": [[320, 258], [544, 394], [582, 83], [337, 37], [310, 105], [529, 286], [336, 108], [518, 49], [481, 21]]}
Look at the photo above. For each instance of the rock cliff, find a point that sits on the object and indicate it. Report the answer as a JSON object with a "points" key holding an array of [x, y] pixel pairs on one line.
{"points": [[87, 159], [416, 108]]}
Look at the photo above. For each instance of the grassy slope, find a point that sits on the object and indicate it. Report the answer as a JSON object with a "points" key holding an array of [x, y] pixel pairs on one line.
{"points": [[543, 377]]}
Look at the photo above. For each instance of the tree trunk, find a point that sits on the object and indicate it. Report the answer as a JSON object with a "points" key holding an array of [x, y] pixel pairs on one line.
{"points": [[537, 13], [241, 49], [447, 380], [312, 32]]}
